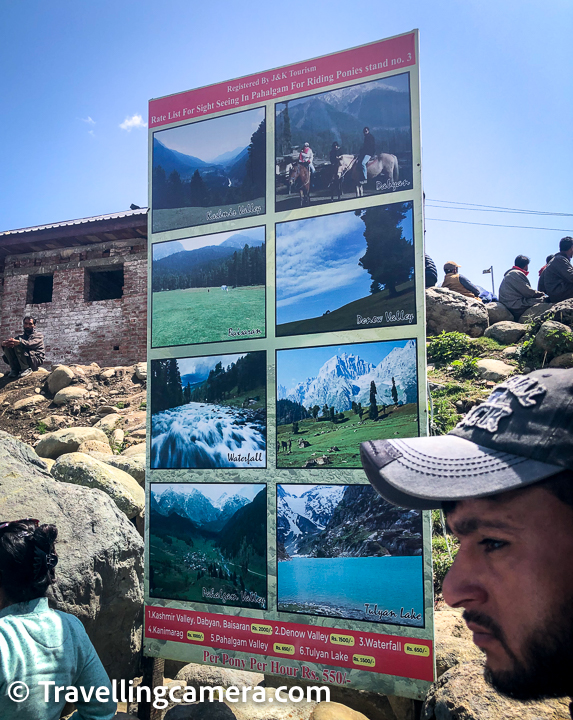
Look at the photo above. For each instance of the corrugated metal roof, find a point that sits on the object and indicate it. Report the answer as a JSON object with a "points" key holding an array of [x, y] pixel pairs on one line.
{"points": [[80, 221]]}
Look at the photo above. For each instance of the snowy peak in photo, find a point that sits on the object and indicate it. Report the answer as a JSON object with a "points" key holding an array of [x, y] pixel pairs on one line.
{"points": [[197, 507], [344, 379]]}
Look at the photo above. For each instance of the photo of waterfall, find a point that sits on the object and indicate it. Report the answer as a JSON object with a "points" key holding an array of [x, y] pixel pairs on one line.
{"points": [[209, 412]]}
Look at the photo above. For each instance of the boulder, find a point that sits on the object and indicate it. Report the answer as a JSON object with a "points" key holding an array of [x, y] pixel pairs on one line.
{"points": [[141, 371], [106, 410], [511, 352], [450, 311], [69, 394], [200, 711], [80, 469], [335, 711], [100, 569], [49, 463], [67, 440], [138, 449], [454, 643], [108, 422], [562, 361], [506, 332], [462, 693], [561, 311], [497, 312], [271, 709], [60, 378], [534, 312], [95, 446], [133, 465], [551, 334], [117, 436], [28, 403], [494, 370]]}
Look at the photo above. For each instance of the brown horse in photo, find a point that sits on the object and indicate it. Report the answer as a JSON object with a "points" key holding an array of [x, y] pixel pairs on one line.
{"points": [[299, 179], [383, 164]]}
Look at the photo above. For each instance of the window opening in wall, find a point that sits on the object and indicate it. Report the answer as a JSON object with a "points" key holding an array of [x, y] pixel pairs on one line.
{"points": [[105, 284], [40, 289]]}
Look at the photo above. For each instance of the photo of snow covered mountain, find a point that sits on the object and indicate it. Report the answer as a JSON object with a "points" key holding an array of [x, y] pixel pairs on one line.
{"points": [[330, 399], [208, 543], [343, 551]]}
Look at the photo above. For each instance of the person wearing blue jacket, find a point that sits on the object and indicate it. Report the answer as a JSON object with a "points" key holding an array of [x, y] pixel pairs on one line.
{"points": [[41, 648]]}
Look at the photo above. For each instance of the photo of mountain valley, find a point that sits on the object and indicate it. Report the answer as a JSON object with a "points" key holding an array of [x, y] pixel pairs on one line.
{"points": [[209, 412], [346, 271], [332, 398], [332, 124], [209, 171], [209, 288], [343, 551], [207, 543]]}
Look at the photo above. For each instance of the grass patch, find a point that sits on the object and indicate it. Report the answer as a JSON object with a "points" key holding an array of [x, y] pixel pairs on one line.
{"points": [[198, 315], [346, 435], [120, 405], [41, 427], [173, 218], [143, 405], [344, 318]]}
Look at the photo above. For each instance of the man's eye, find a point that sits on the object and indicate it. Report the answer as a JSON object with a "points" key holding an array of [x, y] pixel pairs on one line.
{"points": [[490, 544]]}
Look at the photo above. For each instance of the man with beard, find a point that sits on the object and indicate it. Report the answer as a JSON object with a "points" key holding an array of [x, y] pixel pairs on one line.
{"points": [[504, 477], [24, 353]]}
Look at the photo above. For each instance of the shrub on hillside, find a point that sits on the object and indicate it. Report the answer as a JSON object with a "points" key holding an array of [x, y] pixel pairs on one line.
{"points": [[446, 347]]}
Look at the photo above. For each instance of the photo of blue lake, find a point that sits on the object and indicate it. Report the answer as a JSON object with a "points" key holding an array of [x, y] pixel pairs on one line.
{"points": [[375, 589]]}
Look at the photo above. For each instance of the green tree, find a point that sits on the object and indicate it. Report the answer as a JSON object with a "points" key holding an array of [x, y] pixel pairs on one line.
{"points": [[332, 414], [295, 427], [198, 193], [315, 411], [389, 257], [373, 411], [394, 392]]}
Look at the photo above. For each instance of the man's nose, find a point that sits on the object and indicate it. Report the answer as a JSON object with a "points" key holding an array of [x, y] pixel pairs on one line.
{"points": [[462, 586]]}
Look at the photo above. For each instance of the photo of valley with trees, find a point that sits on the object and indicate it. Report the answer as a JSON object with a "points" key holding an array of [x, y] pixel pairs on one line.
{"points": [[209, 171]]}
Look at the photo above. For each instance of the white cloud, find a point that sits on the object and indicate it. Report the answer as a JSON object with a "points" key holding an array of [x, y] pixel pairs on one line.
{"points": [[91, 132], [88, 120], [135, 121], [312, 259]]}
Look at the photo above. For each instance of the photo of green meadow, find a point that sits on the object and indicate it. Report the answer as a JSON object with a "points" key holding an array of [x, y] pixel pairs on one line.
{"points": [[209, 288]]}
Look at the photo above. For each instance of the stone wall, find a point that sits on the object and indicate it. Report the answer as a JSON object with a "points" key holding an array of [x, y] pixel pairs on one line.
{"points": [[77, 330]]}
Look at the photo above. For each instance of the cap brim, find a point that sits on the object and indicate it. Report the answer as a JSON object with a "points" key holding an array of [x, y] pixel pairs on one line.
{"points": [[423, 473]]}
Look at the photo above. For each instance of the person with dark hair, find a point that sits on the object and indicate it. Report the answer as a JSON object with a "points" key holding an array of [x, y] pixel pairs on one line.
{"points": [[367, 151], [558, 275], [515, 292], [541, 282], [24, 353], [431, 271], [504, 478], [39, 646], [458, 283]]}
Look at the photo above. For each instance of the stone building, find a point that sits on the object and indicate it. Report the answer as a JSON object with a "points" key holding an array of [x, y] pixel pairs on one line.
{"points": [[85, 281]]}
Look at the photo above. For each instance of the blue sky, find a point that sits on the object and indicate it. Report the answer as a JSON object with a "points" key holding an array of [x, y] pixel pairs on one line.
{"points": [[214, 239], [294, 366], [211, 138], [317, 264], [202, 366], [496, 84]]}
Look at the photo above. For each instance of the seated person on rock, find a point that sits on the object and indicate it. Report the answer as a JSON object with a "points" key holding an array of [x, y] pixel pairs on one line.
{"points": [[515, 292], [558, 275], [458, 283], [24, 353], [541, 281], [40, 645], [431, 272]]}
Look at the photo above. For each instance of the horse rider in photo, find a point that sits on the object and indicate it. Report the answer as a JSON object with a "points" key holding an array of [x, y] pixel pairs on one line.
{"points": [[307, 156], [367, 151]]}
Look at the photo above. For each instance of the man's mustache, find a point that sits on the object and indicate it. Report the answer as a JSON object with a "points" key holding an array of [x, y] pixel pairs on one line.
{"points": [[485, 622]]}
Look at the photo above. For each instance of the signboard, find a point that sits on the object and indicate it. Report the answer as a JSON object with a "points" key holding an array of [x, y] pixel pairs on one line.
{"points": [[286, 326]]}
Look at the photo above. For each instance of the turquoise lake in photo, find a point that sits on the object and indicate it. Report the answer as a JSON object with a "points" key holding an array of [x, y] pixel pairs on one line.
{"points": [[341, 587]]}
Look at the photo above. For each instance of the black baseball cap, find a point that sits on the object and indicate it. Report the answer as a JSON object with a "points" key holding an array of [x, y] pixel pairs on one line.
{"points": [[520, 435]]}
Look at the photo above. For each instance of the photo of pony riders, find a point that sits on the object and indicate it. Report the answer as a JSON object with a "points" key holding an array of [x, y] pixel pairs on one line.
{"points": [[344, 143]]}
